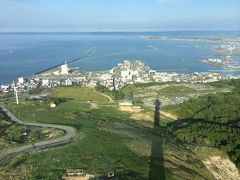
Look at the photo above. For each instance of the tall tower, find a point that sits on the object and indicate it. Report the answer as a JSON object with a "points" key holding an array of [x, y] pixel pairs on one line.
{"points": [[114, 80], [16, 93], [114, 85], [157, 112]]}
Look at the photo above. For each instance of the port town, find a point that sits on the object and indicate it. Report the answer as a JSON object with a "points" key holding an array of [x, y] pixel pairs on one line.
{"points": [[126, 73]]}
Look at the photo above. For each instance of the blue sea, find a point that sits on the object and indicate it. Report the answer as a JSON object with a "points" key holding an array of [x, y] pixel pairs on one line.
{"points": [[23, 54]]}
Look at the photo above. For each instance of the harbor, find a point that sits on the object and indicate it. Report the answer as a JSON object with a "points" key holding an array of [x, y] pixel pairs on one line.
{"points": [[227, 64]]}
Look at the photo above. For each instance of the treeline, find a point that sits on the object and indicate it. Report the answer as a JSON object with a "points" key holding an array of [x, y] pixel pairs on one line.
{"points": [[211, 121], [200, 132], [55, 100], [223, 108], [49, 99]]}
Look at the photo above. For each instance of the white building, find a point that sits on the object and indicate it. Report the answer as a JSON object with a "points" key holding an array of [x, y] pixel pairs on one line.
{"points": [[126, 75], [21, 80], [45, 82], [105, 77], [64, 69], [215, 60], [111, 71], [68, 82], [4, 88], [163, 76]]}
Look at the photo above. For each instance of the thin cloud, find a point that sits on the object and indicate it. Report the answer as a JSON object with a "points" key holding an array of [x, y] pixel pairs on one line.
{"points": [[170, 1], [16, 1]]}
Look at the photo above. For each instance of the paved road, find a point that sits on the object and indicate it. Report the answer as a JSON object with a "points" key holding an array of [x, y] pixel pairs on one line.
{"points": [[7, 155]]}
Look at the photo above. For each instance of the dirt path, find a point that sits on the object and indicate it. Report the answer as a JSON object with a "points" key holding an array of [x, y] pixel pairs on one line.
{"points": [[106, 96], [138, 114]]}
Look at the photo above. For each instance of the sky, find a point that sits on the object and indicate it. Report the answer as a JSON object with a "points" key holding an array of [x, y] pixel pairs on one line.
{"points": [[118, 15]]}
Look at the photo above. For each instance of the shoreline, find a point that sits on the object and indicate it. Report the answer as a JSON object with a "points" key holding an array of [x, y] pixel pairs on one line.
{"points": [[223, 66]]}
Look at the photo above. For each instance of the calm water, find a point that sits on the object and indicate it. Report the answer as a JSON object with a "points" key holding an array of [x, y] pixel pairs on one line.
{"points": [[25, 54]]}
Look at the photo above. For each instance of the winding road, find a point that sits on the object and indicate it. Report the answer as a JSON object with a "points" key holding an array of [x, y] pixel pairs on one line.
{"points": [[7, 155]]}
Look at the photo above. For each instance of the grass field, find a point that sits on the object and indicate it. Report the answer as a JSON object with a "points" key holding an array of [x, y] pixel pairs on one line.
{"points": [[77, 93], [107, 139]]}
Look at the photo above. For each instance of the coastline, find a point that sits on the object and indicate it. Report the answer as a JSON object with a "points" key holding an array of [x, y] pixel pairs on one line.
{"points": [[223, 66]]}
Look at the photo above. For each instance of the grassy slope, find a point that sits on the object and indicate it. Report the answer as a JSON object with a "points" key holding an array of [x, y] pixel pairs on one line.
{"points": [[107, 139], [78, 93]]}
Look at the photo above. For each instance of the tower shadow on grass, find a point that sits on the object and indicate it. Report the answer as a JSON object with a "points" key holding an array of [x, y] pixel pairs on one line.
{"points": [[156, 169]]}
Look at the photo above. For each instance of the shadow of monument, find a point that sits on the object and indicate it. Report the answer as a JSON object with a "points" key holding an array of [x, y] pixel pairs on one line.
{"points": [[157, 170]]}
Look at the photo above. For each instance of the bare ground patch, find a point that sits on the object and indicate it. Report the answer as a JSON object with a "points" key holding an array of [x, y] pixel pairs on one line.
{"points": [[168, 115], [218, 163], [137, 114], [142, 116], [222, 168], [94, 106]]}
